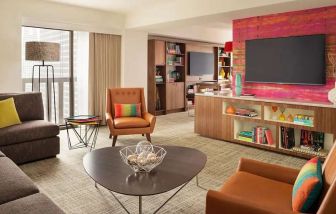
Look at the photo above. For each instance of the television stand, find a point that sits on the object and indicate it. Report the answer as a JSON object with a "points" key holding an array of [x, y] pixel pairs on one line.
{"points": [[215, 118]]}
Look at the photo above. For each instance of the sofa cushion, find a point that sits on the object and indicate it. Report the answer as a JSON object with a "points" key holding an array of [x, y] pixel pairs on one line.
{"points": [[14, 183], [28, 105], [271, 194], [8, 113], [27, 131], [2, 154], [33, 204], [130, 122]]}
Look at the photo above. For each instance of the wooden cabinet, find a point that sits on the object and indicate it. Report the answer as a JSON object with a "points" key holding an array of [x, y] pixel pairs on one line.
{"points": [[160, 57], [175, 98]]}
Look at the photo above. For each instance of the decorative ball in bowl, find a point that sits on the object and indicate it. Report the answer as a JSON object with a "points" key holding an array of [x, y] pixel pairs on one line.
{"points": [[143, 157]]}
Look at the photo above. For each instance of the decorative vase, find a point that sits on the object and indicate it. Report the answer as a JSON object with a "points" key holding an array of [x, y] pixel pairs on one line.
{"points": [[332, 95], [238, 84]]}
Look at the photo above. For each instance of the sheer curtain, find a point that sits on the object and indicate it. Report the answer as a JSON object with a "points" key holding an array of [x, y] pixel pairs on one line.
{"points": [[104, 70]]}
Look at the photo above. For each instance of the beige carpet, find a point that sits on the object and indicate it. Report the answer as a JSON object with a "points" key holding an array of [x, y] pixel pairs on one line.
{"points": [[64, 180]]}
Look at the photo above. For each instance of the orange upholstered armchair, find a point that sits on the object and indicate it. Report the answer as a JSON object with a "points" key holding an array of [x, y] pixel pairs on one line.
{"points": [[128, 125], [258, 188]]}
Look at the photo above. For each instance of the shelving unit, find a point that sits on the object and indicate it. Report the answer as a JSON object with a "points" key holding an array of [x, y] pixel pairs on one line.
{"points": [[223, 64], [166, 76], [211, 120]]}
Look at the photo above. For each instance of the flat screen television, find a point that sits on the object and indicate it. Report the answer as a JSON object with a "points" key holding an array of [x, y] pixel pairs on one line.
{"points": [[200, 63], [287, 60]]}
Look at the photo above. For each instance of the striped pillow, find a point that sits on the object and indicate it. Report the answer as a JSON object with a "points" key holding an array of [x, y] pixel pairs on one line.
{"points": [[127, 110], [308, 186]]}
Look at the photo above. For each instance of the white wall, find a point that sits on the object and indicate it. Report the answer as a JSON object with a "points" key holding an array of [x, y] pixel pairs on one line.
{"points": [[15, 13], [199, 33], [134, 59]]}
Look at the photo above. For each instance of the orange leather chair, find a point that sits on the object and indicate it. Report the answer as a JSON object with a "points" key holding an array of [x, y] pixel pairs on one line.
{"points": [[128, 125], [258, 188]]}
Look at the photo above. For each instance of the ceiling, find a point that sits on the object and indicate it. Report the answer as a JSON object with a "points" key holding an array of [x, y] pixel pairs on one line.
{"points": [[197, 16], [119, 6]]}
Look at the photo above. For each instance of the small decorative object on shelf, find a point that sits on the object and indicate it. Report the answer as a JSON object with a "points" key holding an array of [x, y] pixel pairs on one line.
{"points": [[290, 118], [230, 110], [246, 112], [282, 116], [143, 157], [274, 109], [304, 120], [238, 84]]}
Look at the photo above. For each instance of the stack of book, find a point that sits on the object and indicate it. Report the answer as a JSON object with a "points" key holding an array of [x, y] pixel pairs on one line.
{"points": [[287, 137], [83, 119], [259, 135], [246, 112], [262, 135], [158, 79], [246, 136]]}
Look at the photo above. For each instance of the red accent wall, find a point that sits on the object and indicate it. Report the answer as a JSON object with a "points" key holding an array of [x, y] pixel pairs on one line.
{"points": [[305, 22]]}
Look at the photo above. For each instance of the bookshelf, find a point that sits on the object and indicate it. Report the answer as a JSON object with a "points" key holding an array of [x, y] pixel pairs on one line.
{"points": [[223, 66], [166, 76], [213, 120]]}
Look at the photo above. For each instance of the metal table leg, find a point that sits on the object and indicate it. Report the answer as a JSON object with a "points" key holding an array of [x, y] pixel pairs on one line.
{"points": [[140, 204]]}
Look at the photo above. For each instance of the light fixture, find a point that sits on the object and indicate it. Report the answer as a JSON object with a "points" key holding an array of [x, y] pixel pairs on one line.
{"points": [[44, 51]]}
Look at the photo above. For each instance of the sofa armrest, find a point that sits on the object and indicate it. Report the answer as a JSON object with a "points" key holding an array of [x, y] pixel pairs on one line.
{"points": [[271, 171], [109, 121], [151, 119], [218, 202]]}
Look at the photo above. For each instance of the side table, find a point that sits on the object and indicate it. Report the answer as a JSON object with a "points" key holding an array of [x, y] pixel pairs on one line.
{"points": [[88, 128]]}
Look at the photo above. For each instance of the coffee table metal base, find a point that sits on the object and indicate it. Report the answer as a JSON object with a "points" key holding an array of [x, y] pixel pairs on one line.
{"points": [[140, 198]]}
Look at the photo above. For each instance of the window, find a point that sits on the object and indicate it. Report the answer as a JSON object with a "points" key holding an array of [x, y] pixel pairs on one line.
{"points": [[68, 85]]}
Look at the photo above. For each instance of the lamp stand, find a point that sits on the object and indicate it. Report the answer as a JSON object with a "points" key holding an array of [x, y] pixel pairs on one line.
{"points": [[53, 85]]}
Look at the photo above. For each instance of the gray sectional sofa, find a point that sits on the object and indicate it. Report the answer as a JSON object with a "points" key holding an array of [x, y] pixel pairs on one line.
{"points": [[18, 193], [34, 139]]}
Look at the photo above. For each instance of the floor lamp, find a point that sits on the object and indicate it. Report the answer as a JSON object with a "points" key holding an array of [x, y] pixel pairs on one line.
{"points": [[44, 51]]}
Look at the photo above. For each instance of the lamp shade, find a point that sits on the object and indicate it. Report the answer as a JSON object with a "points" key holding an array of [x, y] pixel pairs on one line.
{"points": [[42, 51], [228, 47]]}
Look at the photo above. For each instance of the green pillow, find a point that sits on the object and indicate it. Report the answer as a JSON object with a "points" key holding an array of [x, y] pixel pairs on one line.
{"points": [[8, 113]]}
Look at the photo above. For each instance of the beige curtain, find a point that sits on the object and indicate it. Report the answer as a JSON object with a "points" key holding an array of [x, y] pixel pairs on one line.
{"points": [[104, 70]]}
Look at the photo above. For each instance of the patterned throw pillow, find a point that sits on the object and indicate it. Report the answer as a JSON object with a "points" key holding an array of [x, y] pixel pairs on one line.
{"points": [[308, 186], [127, 110]]}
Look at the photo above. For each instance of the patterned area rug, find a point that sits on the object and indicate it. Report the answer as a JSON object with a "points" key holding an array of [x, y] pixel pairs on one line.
{"points": [[64, 180]]}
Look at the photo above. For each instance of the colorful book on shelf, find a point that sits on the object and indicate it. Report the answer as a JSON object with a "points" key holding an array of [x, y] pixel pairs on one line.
{"points": [[269, 137], [246, 139], [287, 137]]}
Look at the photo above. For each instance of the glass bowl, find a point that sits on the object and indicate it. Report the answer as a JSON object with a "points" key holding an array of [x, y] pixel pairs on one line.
{"points": [[143, 157]]}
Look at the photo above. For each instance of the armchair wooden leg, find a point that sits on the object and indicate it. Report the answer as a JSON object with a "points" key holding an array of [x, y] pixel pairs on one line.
{"points": [[110, 136], [148, 137], [114, 141]]}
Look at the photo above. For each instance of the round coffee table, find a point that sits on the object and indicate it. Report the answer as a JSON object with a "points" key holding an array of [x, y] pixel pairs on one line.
{"points": [[180, 165]]}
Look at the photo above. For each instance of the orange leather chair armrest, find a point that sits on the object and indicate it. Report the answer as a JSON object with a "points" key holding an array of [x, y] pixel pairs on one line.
{"points": [[271, 171], [151, 119], [109, 121], [217, 202]]}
